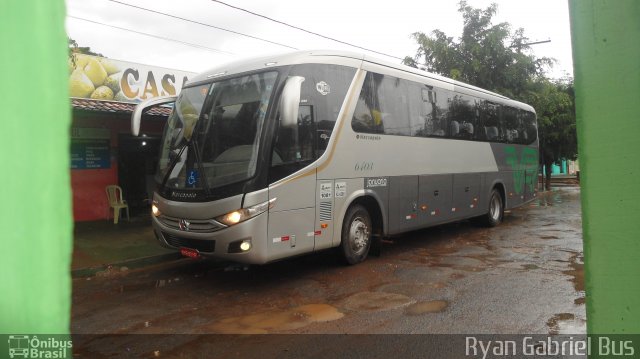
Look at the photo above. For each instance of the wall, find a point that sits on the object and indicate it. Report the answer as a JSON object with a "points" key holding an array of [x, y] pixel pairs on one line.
{"points": [[88, 185]]}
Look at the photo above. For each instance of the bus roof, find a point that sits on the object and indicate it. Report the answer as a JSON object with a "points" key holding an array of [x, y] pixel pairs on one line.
{"points": [[339, 58]]}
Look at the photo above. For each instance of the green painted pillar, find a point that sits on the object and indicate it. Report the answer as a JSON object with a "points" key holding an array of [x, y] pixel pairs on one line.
{"points": [[35, 191], [606, 59]]}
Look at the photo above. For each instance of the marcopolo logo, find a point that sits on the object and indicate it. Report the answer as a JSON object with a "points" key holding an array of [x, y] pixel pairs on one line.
{"points": [[26, 346]]}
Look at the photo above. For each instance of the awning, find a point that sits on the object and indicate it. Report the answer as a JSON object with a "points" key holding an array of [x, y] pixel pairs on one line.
{"points": [[115, 107]]}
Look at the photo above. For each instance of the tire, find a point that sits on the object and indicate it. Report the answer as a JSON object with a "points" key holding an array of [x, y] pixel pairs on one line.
{"points": [[356, 235], [495, 212]]}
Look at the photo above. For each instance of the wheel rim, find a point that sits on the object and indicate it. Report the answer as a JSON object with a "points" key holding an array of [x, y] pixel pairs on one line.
{"points": [[494, 209], [358, 235]]}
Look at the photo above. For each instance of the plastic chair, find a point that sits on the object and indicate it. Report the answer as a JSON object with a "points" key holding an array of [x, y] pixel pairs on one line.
{"points": [[114, 195]]}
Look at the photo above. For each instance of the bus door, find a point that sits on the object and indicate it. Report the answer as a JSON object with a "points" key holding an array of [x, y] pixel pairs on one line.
{"points": [[292, 218]]}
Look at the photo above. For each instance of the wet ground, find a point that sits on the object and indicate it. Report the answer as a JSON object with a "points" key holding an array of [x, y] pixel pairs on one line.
{"points": [[525, 276]]}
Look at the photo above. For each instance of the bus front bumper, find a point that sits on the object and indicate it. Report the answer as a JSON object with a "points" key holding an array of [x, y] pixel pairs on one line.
{"points": [[245, 242]]}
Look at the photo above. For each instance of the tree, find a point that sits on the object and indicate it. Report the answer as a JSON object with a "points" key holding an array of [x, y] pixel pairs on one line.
{"points": [[554, 102], [486, 55], [75, 49], [498, 59]]}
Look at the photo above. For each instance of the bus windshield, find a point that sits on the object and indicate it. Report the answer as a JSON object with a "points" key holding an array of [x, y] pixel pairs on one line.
{"points": [[211, 137]]}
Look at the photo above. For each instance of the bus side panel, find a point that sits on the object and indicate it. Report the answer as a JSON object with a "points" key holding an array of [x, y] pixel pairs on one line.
{"points": [[519, 165], [434, 199], [403, 204]]}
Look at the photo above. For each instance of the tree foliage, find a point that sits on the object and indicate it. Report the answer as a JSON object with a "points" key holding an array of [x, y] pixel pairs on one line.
{"points": [[486, 55], [494, 57], [554, 102], [75, 49]]}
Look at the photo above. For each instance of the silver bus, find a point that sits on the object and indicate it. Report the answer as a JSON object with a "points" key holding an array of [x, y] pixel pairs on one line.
{"points": [[276, 157]]}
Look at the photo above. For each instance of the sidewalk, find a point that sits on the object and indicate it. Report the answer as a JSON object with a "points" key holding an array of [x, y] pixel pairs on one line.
{"points": [[101, 246]]}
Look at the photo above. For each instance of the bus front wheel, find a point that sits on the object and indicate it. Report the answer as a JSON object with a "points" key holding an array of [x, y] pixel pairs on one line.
{"points": [[356, 234]]}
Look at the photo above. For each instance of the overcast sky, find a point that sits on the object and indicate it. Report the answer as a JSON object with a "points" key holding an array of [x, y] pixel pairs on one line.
{"points": [[385, 26]]}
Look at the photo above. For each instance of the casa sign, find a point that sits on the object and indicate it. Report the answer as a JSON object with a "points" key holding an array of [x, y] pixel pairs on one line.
{"points": [[100, 78]]}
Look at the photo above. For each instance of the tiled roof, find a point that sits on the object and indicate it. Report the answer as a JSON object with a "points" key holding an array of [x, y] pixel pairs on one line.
{"points": [[115, 107]]}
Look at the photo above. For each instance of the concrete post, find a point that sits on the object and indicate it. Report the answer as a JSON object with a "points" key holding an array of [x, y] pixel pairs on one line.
{"points": [[34, 192], [606, 59]]}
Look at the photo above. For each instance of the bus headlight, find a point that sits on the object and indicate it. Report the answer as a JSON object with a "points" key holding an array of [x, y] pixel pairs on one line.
{"points": [[154, 210], [243, 214]]}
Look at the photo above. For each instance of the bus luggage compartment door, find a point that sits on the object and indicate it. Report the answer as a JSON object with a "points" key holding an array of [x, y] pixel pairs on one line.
{"points": [[403, 204], [434, 199], [466, 198]]}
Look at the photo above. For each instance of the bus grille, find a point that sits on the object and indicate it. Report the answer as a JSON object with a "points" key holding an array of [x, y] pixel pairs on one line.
{"points": [[195, 225], [325, 211], [201, 245]]}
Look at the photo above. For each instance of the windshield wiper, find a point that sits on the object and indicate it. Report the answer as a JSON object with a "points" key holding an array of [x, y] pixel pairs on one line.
{"points": [[172, 164], [203, 176]]}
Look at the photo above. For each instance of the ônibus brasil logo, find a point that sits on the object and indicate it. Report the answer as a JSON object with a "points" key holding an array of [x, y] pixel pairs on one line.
{"points": [[25, 346]]}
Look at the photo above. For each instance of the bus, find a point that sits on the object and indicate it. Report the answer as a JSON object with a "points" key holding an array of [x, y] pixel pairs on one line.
{"points": [[276, 157]]}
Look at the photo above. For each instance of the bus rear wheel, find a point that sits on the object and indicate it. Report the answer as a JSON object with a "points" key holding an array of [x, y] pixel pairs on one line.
{"points": [[356, 234], [496, 211]]}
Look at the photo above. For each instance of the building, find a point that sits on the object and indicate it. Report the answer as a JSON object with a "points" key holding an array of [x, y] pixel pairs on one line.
{"points": [[103, 152]]}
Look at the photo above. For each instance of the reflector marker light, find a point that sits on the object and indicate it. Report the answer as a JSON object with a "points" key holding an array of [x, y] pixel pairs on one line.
{"points": [[281, 239]]}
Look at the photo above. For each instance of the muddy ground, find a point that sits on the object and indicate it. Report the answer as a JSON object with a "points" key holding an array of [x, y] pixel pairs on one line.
{"points": [[525, 276]]}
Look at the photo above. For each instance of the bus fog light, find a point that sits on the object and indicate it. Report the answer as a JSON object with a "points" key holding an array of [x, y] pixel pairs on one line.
{"points": [[245, 245], [240, 246]]}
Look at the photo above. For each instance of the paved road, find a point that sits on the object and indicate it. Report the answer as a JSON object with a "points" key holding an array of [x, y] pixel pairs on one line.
{"points": [[525, 276]]}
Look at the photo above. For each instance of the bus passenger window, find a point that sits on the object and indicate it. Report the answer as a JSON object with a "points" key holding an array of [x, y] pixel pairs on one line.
{"points": [[367, 117], [488, 121], [531, 128], [462, 115], [509, 125], [383, 106], [427, 118]]}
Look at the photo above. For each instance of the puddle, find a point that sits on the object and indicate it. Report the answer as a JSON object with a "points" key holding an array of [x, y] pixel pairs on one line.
{"points": [[521, 250], [159, 283], [530, 266], [376, 301], [409, 289], [577, 272], [579, 301], [434, 306], [549, 237], [264, 323], [467, 264], [566, 323]]}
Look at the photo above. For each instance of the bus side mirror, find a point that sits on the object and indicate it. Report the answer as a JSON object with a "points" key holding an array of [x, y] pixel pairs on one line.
{"points": [[290, 100], [136, 116]]}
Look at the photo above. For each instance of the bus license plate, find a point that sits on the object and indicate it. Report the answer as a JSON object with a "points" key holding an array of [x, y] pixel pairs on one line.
{"points": [[189, 252]]}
